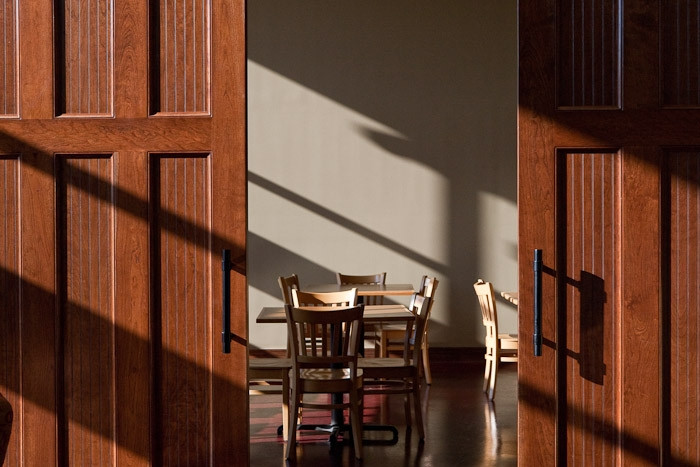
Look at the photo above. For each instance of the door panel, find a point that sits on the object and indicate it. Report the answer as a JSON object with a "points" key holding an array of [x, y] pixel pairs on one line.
{"points": [[608, 118], [84, 53], [682, 311], [123, 179], [589, 185], [183, 331], [184, 64], [10, 286], [8, 68], [85, 347]]}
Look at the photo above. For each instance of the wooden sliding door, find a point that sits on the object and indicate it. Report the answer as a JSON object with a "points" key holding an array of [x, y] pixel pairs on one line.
{"points": [[122, 177], [609, 160]]}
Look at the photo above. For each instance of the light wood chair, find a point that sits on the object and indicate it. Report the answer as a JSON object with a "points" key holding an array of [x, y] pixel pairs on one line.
{"points": [[325, 343], [370, 279], [343, 298], [369, 333], [286, 285], [390, 336], [271, 375], [499, 347], [396, 375]]}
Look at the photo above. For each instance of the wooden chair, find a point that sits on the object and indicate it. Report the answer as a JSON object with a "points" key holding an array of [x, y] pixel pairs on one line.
{"points": [[499, 347], [325, 342], [271, 375], [390, 336], [344, 298], [402, 375], [370, 330], [371, 279], [286, 285]]}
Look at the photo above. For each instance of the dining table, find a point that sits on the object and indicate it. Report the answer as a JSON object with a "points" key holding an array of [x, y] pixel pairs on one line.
{"points": [[371, 314], [364, 290], [512, 297]]}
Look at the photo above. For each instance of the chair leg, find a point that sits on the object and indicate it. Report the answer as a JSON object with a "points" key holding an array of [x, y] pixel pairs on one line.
{"points": [[492, 380], [285, 408], [381, 345], [417, 408], [487, 373], [407, 410], [290, 450], [426, 361], [356, 409]]}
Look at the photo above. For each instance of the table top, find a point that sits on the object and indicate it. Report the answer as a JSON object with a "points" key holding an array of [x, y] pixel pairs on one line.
{"points": [[512, 297], [373, 313], [366, 290]]}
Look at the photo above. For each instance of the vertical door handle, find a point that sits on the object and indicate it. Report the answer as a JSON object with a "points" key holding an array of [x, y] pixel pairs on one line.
{"points": [[537, 334], [226, 301]]}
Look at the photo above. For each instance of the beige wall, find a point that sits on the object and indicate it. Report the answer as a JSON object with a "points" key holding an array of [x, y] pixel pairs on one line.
{"points": [[382, 137]]}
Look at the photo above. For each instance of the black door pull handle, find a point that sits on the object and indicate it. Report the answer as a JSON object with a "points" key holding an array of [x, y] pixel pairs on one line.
{"points": [[537, 334]]}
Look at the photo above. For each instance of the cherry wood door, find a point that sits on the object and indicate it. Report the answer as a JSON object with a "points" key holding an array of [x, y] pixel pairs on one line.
{"points": [[609, 160], [122, 178]]}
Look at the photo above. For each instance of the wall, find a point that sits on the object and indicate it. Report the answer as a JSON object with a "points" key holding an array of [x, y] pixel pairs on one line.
{"points": [[382, 137]]}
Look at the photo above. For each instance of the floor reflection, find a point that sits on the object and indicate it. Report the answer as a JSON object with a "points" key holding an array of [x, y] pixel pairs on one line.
{"points": [[462, 427]]}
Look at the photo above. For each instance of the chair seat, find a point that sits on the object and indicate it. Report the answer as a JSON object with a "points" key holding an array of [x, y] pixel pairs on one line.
{"points": [[401, 328], [383, 374], [326, 374], [272, 364], [369, 364], [268, 370], [263, 371]]}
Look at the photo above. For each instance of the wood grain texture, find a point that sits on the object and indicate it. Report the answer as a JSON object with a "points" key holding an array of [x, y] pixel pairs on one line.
{"points": [[598, 226], [640, 327], [684, 307], [589, 54], [37, 46], [9, 96], [131, 59], [85, 53], [83, 135], [133, 386], [537, 404], [184, 53], [10, 362], [230, 150], [39, 318], [680, 53], [185, 340], [65, 190], [86, 275], [592, 312]]}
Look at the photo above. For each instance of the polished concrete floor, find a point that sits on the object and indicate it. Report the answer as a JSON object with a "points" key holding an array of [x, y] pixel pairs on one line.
{"points": [[462, 428]]}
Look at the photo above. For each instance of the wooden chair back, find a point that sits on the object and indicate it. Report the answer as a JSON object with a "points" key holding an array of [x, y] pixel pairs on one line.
{"points": [[420, 307], [334, 336], [370, 279], [487, 302], [287, 284], [428, 286], [343, 298], [499, 347]]}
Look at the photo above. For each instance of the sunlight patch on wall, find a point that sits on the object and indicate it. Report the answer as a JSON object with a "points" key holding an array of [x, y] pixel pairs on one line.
{"points": [[498, 226], [328, 153]]}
